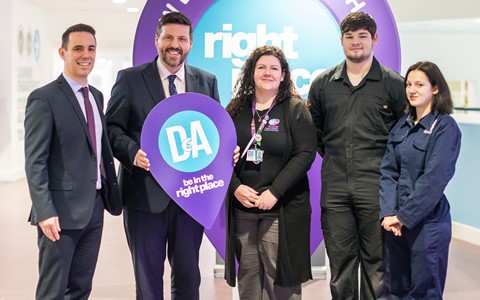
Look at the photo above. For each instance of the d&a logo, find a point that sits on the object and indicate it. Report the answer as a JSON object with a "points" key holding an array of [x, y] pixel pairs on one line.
{"points": [[188, 141]]}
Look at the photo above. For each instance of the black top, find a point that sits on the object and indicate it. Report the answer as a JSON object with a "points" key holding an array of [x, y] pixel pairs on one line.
{"points": [[355, 121], [260, 176]]}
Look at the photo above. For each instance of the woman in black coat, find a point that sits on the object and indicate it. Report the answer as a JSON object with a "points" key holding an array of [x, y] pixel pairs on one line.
{"points": [[268, 208]]}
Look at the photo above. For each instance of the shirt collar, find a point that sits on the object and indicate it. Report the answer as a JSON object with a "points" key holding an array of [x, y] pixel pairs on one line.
{"points": [[76, 86], [164, 73], [426, 122], [373, 74]]}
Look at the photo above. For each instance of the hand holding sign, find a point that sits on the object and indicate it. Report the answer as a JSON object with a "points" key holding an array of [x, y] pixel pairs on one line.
{"points": [[190, 140]]}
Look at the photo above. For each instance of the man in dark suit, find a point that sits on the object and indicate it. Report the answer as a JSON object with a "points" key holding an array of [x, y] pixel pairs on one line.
{"points": [[152, 219], [70, 185]]}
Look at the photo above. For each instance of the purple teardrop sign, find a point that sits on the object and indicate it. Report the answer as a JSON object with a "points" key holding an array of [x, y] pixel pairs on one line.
{"points": [[190, 139]]}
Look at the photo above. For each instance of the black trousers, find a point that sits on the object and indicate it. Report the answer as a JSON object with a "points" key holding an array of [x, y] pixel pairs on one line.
{"points": [[151, 237], [351, 227], [67, 266]]}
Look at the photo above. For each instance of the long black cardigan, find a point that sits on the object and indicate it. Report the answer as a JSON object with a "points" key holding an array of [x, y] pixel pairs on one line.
{"points": [[290, 185]]}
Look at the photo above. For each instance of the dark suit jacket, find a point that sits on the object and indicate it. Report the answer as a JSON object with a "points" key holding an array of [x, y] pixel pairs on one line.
{"points": [[135, 93], [59, 159]]}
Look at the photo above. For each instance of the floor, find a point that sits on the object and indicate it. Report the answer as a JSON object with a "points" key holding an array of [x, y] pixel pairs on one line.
{"points": [[114, 278]]}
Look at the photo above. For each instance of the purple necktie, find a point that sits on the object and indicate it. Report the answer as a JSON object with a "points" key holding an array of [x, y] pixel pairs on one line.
{"points": [[171, 85], [90, 118]]}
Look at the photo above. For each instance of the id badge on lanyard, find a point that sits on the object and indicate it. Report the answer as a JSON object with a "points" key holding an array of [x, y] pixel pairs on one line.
{"points": [[255, 154]]}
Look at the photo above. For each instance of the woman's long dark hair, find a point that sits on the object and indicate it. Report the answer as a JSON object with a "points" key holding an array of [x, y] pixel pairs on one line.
{"points": [[245, 85], [442, 101]]}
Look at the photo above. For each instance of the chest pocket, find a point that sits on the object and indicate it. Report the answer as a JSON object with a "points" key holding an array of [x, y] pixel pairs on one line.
{"points": [[397, 138], [419, 154], [421, 143]]}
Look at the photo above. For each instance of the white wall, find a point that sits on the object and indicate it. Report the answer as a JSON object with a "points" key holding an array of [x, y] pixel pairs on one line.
{"points": [[456, 54], [445, 32], [424, 10], [6, 131], [114, 34], [22, 71], [25, 71]]}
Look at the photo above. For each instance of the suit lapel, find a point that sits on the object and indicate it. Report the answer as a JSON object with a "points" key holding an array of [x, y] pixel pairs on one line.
{"points": [[153, 82], [67, 90], [191, 81], [98, 98]]}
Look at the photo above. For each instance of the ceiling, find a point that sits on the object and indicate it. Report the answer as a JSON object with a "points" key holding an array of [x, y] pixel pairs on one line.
{"points": [[411, 15], [87, 5]]}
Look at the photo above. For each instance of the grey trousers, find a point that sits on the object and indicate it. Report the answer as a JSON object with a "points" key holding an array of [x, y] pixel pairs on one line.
{"points": [[256, 248]]}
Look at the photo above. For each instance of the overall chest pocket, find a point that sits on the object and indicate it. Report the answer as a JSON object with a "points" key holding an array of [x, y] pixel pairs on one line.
{"points": [[419, 153], [397, 138], [421, 143]]}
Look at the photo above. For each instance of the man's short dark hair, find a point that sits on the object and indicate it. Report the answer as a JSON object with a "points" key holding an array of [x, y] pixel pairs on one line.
{"points": [[174, 18], [76, 28], [358, 20]]}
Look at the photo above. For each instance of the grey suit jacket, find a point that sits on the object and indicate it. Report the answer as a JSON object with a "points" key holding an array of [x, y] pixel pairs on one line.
{"points": [[135, 93], [60, 163]]}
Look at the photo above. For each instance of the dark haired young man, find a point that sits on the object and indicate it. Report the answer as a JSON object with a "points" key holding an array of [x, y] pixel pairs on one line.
{"points": [[354, 105]]}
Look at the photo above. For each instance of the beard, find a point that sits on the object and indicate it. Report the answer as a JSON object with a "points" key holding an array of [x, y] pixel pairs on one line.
{"points": [[358, 58], [173, 62]]}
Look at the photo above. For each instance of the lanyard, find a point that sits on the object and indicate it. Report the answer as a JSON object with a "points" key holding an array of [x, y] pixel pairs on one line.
{"points": [[257, 136]]}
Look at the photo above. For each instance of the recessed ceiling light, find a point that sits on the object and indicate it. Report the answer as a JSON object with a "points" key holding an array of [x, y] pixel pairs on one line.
{"points": [[133, 9]]}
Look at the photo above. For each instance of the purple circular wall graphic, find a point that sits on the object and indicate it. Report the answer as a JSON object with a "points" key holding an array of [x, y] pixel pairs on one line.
{"points": [[387, 51]]}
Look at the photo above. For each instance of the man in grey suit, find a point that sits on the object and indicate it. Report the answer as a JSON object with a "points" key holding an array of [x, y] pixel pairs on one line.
{"points": [[152, 219], [70, 171]]}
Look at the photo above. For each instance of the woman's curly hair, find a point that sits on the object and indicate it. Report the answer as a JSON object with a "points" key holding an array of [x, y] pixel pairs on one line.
{"points": [[245, 86]]}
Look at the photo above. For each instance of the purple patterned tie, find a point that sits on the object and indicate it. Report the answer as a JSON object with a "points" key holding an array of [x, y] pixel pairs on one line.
{"points": [[171, 85], [90, 118]]}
